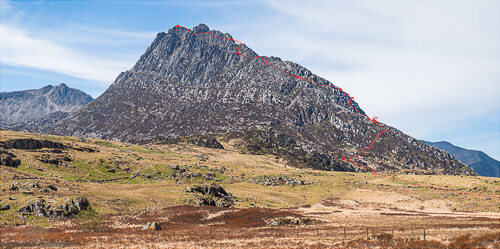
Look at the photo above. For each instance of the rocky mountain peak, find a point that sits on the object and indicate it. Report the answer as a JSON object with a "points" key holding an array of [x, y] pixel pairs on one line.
{"points": [[190, 83]]}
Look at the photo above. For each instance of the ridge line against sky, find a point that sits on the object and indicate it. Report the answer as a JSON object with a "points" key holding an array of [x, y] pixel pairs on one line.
{"points": [[428, 68]]}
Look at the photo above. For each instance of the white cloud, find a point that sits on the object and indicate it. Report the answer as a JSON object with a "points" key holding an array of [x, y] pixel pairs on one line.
{"points": [[417, 65], [17, 48], [93, 53]]}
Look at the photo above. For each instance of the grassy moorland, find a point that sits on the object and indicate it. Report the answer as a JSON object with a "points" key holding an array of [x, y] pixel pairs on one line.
{"points": [[128, 185]]}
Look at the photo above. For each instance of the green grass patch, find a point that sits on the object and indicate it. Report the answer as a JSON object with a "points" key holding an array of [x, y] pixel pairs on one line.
{"points": [[32, 170]]}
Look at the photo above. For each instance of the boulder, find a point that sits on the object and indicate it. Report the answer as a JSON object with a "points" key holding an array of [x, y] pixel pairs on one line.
{"points": [[211, 195], [13, 186], [153, 226], [5, 207], [36, 207], [222, 170], [8, 159], [52, 187], [34, 185]]}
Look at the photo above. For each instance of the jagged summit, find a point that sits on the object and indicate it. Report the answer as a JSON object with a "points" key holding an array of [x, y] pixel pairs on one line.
{"points": [[201, 28], [194, 84]]}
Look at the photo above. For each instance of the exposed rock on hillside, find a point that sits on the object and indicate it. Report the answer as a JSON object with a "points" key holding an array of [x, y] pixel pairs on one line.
{"points": [[70, 208], [189, 84], [203, 141], [8, 159], [30, 143], [56, 160], [278, 181], [211, 195]]}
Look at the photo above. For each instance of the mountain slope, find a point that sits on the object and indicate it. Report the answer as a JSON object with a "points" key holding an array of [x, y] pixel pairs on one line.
{"points": [[31, 108], [478, 160], [192, 83]]}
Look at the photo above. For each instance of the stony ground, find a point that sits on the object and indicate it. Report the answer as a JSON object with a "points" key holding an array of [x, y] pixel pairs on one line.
{"points": [[129, 185]]}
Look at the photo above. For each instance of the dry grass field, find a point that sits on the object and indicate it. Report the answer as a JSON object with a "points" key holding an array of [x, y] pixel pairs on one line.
{"points": [[129, 185]]}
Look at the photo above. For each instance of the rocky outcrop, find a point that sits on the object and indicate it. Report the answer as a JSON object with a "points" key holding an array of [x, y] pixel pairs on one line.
{"points": [[203, 141], [190, 83], [32, 109], [30, 143], [283, 221], [51, 159], [211, 195], [272, 142], [279, 180], [70, 208], [8, 159]]}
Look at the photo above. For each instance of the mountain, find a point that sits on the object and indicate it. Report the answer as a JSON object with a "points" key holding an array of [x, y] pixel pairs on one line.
{"points": [[31, 109], [478, 160], [193, 83]]}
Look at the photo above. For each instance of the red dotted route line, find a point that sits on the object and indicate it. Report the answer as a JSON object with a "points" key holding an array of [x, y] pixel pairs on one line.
{"points": [[374, 120]]}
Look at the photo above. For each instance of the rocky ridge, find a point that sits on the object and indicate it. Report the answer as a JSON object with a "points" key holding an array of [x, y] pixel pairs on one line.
{"points": [[483, 164], [31, 109]]}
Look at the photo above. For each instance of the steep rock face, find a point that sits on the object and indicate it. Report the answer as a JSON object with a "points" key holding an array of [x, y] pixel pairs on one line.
{"points": [[31, 109], [194, 84], [478, 160]]}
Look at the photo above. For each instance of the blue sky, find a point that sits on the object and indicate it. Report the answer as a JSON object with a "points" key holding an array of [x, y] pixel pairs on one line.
{"points": [[428, 68]]}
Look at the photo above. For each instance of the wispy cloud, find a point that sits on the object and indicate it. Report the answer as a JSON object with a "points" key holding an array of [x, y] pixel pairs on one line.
{"points": [[19, 49], [414, 64], [77, 35], [87, 52]]}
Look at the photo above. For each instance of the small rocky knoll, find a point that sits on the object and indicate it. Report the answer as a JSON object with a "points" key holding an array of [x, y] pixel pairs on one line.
{"points": [[211, 195]]}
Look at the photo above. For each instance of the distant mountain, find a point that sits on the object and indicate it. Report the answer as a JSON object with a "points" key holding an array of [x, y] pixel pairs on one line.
{"points": [[478, 160], [30, 109], [193, 83]]}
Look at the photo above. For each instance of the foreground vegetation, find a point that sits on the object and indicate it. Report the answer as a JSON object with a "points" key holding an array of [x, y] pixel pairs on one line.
{"points": [[129, 185]]}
